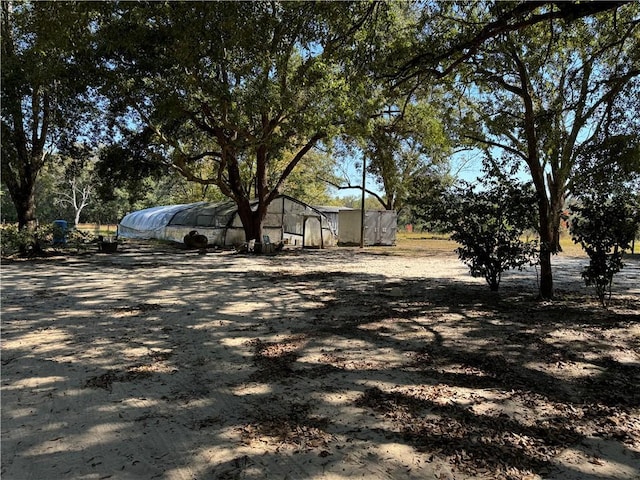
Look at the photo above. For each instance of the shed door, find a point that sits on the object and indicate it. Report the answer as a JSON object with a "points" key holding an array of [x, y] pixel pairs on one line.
{"points": [[388, 225], [312, 233]]}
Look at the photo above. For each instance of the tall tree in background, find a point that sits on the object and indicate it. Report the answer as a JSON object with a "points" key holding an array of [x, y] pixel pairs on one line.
{"points": [[401, 147], [76, 187], [251, 101], [545, 93], [406, 134], [44, 91]]}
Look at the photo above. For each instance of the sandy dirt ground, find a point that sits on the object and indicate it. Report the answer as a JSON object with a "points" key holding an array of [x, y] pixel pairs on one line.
{"points": [[161, 363]]}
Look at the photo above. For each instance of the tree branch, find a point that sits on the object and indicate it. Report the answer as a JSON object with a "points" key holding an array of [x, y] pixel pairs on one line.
{"points": [[349, 186], [292, 164], [496, 144], [521, 16]]}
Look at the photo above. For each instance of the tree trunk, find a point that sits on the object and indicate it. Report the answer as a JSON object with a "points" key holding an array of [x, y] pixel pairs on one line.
{"points": [[25, 203], [537, 171], [256, 223], [76, 220], [251, 220], [545, 228], [19, 172], [550, 216], [246, 218], [546, 274], [547, 247]]}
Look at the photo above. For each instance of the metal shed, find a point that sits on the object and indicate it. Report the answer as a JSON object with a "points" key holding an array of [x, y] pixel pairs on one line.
{"points": [[380, 227]]}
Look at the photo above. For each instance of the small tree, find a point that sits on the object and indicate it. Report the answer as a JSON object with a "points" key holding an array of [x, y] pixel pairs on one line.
{"points": [[489, 226], [606, 210], [77, 185], [605, 227], [77, 197]]}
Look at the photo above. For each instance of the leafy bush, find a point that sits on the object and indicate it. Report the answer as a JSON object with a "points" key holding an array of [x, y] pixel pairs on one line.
{"points": [[606, 213], [604, 226], [32, 243], [489, 225], [24, 241]]}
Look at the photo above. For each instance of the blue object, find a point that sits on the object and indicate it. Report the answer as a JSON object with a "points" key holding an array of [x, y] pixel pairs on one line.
{"points": [[59, 232]]}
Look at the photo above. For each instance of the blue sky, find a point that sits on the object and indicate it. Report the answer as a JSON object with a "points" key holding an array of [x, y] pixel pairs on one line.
{"points": [[465, 166]]}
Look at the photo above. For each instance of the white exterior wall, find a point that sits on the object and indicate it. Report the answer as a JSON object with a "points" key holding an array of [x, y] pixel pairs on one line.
{"points": [[380, 227]]}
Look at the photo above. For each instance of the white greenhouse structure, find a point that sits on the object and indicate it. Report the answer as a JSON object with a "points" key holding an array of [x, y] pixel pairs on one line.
{"points": [[288, 220]]}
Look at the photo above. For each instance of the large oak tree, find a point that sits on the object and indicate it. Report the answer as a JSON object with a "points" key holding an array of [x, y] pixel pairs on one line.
{"points": [[546, 93], [44, 91], [247, 87]]}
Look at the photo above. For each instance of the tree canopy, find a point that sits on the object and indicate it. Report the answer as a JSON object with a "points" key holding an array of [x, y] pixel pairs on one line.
{"points": [[46, 95], [249, 102], [450, 33]]}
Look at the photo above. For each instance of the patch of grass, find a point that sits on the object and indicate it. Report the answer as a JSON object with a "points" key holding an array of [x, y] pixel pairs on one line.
{"points": [[98, 229], [571, 249], [429, 243], [424, 244]]}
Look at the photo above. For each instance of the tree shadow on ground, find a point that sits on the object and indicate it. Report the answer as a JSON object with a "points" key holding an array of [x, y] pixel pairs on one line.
{"points": [[501, 347], [217, 366]]}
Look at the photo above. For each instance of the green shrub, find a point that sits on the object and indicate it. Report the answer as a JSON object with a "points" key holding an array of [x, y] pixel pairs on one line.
{"points": [[24, 241], [605, 227], [489, 226]]}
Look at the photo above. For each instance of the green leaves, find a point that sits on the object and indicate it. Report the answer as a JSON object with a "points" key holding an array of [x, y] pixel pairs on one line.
{"points": [[489, 225], [606, 208], [605, 225], [269, 83], [249, 87]]}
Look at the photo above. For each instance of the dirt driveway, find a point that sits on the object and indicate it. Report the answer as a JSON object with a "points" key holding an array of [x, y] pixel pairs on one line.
{"points": [[159, 363]]}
